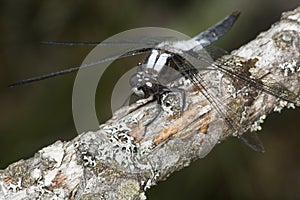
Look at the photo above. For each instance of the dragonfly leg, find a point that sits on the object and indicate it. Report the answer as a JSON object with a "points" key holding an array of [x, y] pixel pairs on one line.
{"points": [[159, 109]]}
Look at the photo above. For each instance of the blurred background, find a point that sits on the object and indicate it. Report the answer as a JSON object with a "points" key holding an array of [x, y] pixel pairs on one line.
{"points": [[36, 115]]}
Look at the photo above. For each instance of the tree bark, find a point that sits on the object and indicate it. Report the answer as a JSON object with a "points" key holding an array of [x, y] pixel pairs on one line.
{"points": [[121, 160]]}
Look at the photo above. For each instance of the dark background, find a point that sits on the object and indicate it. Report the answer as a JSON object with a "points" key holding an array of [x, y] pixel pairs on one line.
{"points": [[36, 115]]}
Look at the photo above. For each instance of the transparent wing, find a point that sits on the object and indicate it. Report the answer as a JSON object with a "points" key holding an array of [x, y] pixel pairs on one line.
{"points": [[218, 30], [230, 116], [146, 43], [253, 141], [138, 41], [269, 87], [214, 52], [123, 54], [172, 73], [191, 73]]}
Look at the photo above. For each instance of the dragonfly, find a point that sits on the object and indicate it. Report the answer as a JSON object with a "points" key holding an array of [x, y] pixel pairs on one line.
{"points": [[187, 58]]}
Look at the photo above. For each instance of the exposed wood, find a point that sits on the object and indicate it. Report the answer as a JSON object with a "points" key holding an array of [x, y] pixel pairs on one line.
{"points": [[121, 161]]}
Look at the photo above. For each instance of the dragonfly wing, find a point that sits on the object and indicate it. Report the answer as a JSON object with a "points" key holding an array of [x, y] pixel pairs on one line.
{"points": [[218, 30], [252, 140], [153, 41], [214, 52], [231, 114], [264, 84], [210, 93], [122, 54]]}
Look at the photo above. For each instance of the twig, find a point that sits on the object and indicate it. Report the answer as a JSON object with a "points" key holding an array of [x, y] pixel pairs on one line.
{"points": [[121, 161]]}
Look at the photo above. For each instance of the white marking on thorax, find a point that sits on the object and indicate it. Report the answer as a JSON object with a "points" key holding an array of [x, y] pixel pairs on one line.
{"points": [[152, 58], [161, 62]]}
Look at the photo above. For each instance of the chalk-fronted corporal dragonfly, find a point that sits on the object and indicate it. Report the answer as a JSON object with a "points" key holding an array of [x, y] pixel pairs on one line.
{"points": [[177, 55]]}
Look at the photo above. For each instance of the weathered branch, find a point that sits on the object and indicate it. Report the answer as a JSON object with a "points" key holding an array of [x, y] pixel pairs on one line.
{"points": [[121, 160]]}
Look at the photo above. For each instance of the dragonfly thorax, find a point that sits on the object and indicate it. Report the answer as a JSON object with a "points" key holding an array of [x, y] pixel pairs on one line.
{"points": [[145, 81], [156, 61]]}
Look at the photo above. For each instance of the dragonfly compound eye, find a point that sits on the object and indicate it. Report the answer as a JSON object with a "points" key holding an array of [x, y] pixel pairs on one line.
{"points": [[139, 92]]}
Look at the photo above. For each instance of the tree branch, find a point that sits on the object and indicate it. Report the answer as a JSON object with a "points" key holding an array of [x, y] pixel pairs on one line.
{"points": [[121, 160]]}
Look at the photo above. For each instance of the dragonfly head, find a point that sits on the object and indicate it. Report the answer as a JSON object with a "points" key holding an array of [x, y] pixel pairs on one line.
{"points": [[143, 86], [138, 91]]}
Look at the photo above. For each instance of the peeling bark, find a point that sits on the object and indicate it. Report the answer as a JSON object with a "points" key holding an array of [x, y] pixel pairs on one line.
{"points": [[121, 160]]}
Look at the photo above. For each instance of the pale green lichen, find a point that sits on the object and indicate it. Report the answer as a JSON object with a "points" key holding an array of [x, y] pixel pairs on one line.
{"points": [[129, 189]]}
